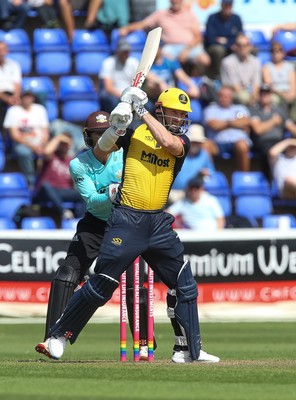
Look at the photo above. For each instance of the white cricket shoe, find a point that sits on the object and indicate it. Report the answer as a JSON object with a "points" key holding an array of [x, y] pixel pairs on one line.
{"points": [[42, 348], [183, 356], [206, 357], [52, 347]]}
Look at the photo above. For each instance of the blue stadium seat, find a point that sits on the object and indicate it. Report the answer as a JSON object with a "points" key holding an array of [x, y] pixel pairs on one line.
{"points": [[258, 39], [17, 40], [226, 204], [44, 87], [77, 87], [136, 39], [10, 205], [69, 223], [7, 223], [89, 62], [13, 184], [46, 40], [85, 40], [38, 223], [52, 107], [41, 85], [53, 63], [253, 206], [24, 59], [253, 182], [217, 184], [264, 57], [276, 221], [78, 110]]}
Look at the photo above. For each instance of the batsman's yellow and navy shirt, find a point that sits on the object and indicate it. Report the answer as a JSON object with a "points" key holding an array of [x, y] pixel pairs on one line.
{"points": [[148, 170]]}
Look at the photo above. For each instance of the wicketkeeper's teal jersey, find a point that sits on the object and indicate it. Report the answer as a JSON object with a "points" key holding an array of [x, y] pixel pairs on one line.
{"points": [[92, 180]]}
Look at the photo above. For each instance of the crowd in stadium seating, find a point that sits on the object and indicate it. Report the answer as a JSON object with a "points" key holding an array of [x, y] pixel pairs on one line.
{"points": [[80, 55]]}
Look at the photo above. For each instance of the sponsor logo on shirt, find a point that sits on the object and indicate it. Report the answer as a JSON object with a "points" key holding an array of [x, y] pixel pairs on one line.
{"points": [[153, 159]]}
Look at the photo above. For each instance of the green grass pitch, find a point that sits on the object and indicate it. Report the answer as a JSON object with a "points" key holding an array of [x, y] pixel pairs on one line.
{"points": [[258, 361]]}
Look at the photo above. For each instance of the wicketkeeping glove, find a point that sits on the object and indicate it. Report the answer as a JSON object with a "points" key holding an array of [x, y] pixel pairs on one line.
{"points": [[121, 117], [113, 188]]}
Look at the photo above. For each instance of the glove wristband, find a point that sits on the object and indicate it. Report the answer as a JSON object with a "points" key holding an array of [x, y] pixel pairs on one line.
{"points": [[140, 110]]}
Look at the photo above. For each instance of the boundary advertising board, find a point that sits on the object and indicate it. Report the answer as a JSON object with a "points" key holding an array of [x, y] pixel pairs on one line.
{"points": [[245, 265]]}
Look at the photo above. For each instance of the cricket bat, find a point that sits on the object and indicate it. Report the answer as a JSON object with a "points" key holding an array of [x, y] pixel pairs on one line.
{"points": [[148, 56]]}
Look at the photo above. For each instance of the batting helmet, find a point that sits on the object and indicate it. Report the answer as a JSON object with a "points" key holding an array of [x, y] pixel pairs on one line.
{"points": [[174, 99]]}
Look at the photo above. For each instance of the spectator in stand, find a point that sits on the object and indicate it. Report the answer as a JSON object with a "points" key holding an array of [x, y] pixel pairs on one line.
{"points": [[166, 73], [227, 124], [199, 210], [282, 158], [10, 82], [280, 75], [242, 71], [267, 125], [59, 126], [13, 14], [27, 125], [54, 183], [222, 28], [116, 74], [198, 161], [46, 11], [107, 14], [180, 31]]}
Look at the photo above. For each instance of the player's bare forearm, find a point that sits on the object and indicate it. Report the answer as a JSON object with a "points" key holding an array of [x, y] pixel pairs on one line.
{"points": [[169, 142]]}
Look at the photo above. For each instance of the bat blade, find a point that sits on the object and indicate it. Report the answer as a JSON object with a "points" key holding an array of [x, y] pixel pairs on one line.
{"points": [[148, 56]]}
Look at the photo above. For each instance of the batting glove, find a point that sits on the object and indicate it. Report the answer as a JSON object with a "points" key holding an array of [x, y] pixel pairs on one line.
{"points": [[121, 117], [113, 188], [134, 95]]}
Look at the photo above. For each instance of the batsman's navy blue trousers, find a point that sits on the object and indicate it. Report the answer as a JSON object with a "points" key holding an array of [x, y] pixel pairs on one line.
{"points": [[131, 233]]}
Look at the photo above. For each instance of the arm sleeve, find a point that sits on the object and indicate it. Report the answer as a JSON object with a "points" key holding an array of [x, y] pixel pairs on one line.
{"points": [[153, 20], [86, 187]]}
